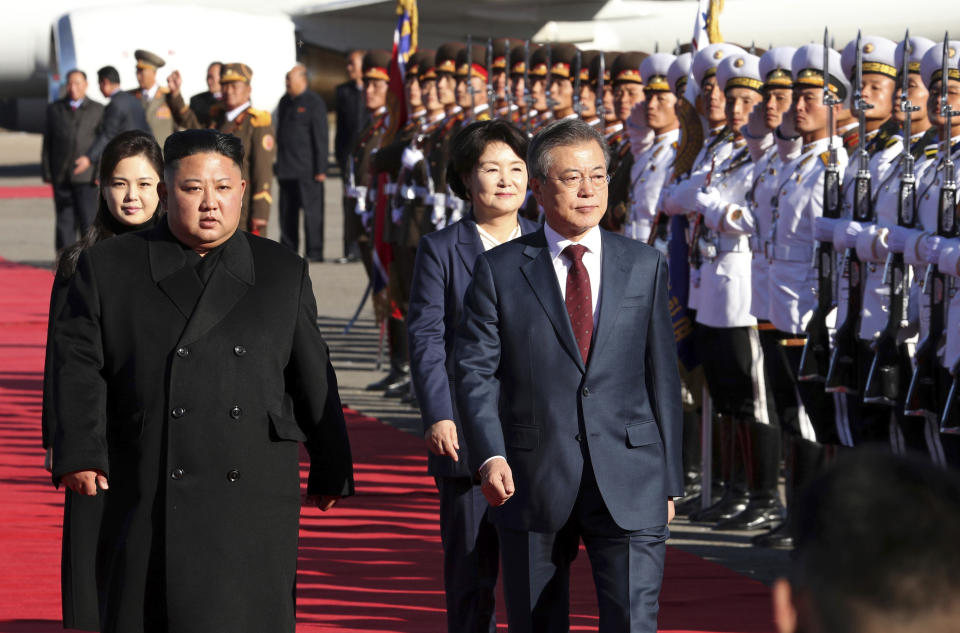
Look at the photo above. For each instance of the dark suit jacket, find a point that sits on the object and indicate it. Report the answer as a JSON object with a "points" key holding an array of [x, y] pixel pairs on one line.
{"points": [[67, 136], [201, 103], [123, 113], [443, 270], [196, 414], [352, 117], [524, 393], [302, 139]]}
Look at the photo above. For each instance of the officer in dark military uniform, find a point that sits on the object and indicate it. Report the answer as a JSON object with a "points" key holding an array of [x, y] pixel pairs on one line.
{"points": [[152, 96], [254, 129], [302, 149], [561, 79], [540, 112], [588, 88]]}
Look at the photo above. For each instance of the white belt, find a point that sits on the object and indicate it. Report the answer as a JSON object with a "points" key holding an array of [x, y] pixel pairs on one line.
{"points": [[732, 244], [410, 192], [789, 253], [390, 188]]}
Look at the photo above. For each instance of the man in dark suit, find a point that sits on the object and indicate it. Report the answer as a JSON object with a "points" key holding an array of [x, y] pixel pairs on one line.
{"points": [[569, 394], [301, 166], [352, 117], [199, 444], [123, 113], [71, 127], [202, 102]]}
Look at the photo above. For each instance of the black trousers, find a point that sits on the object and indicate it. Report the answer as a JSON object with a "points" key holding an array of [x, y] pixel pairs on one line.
{"points": [[470, 556], [352, 228], [627, 569], [733, 367], [76, 208], [818, 405], [306, 194]]}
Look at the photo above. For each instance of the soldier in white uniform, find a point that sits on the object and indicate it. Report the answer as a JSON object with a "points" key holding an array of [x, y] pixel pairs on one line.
{"points": [[727, 332], [652, 167], [863, 422], [921, 246], [871, 245], [792, 275]]}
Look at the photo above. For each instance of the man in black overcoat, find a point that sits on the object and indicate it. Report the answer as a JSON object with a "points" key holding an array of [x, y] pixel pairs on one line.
{"points": [[188, 368], [71, 127]]}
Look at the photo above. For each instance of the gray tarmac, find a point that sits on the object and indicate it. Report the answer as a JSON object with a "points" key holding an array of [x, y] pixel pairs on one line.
{"points": [[26, 236]]}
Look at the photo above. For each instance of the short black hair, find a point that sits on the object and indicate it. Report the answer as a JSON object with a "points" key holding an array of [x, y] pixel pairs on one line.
{"points": [[189, 142], [877, 534], [469, 144], [109, 73], [219, 66], [557, 134], [75, 71]]}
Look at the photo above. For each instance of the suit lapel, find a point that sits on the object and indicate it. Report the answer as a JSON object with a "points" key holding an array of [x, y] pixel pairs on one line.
{"points": [[542, 278], [615, 270], [232, 276], [469, 246]]}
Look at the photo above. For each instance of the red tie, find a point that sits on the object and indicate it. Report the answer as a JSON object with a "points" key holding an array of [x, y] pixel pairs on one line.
{"points": [[579, 301]]}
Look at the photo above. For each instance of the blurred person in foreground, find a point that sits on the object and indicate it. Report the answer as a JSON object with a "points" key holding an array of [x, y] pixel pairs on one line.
{"points": [[199, 447], [301, 167], [487, 169], [71, 128], [130, 173], [875, 549]]}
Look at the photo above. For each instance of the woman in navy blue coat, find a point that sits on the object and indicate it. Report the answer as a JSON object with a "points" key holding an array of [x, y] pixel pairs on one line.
{"points": [[487, 169]]}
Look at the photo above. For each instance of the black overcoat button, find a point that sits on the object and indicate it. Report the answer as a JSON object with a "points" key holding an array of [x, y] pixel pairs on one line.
{"points": [[179, 412], [233, 475], [239, 350], [177, 474], [183, 352], [235, 412]]}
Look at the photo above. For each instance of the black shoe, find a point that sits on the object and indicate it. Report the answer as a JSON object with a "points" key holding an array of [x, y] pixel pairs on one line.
{"points": [[759, 513], [777, 538], [729, 506], [398, 389], [386, 382], [349, 259], [411, 399], [315, 259]]}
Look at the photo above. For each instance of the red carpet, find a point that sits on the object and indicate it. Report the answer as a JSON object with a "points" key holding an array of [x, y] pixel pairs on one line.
{"points": [[41, 191], [372, 564]]}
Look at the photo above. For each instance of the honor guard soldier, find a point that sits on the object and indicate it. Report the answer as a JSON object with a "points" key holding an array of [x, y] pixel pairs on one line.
{"points": [[152, 96], [883, 320], [793, 281], [254, 129], [877, 152], [627, 92], [437, 147], [541, 111], [503, 106], [728, 339], [652, 167], [519, 89], [588, 89], [922, 246], [561, 80], [472, 83]]}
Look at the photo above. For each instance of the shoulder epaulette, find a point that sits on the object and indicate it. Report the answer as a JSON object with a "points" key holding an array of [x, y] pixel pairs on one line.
{"points": [[675, 144], [259, 118], [825, 157], [930, 151]]}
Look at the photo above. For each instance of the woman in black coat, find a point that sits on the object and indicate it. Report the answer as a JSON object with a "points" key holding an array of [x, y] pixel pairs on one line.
{"points": [[130, 171]]}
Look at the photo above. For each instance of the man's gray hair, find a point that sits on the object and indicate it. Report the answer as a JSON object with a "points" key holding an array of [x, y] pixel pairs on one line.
{"points": [[562, 133]]}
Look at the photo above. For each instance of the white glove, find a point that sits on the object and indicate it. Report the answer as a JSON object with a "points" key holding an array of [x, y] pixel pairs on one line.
{"points": [[823, 229], [711, 205], [410, 158], [897, 238], [949, 254], [640, 135], [845, 234], [756, 126], [929, 248], [683, 198], [788, 127]]}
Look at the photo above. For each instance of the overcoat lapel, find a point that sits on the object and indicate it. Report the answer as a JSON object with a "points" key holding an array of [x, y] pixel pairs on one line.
{"points": [[232, 276], [615, 270], [542, 278], [167, 267]]}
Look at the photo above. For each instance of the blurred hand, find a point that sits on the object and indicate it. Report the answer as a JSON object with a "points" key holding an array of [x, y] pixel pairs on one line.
{"points": [[441, 439], [48, 460], [85, 482], [324, 502], [671, 511], [81, 165], [757, 122], [320, 177], [496, 481], [174, 83]]}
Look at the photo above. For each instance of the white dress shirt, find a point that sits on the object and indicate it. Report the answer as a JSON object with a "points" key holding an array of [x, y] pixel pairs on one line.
{"points": [[233, 114], [591, 261], [489, 241]]}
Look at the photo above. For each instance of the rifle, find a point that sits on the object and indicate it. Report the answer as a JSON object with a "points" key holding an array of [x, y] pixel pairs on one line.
{"points": [[527, 95], [577, 106], [507, 92], [884, 384], [951, 410], [845, 361], [469, 80], [600, 88], [930, 380], [491, 91], [695, 256], [815, 359]]}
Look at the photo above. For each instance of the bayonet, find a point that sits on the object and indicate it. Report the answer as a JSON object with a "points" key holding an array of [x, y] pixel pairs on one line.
{"points": [[527, 94], [600, 88], [469, 79], [577, 106], [507, 92], [491, 91], [546, 79]]}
